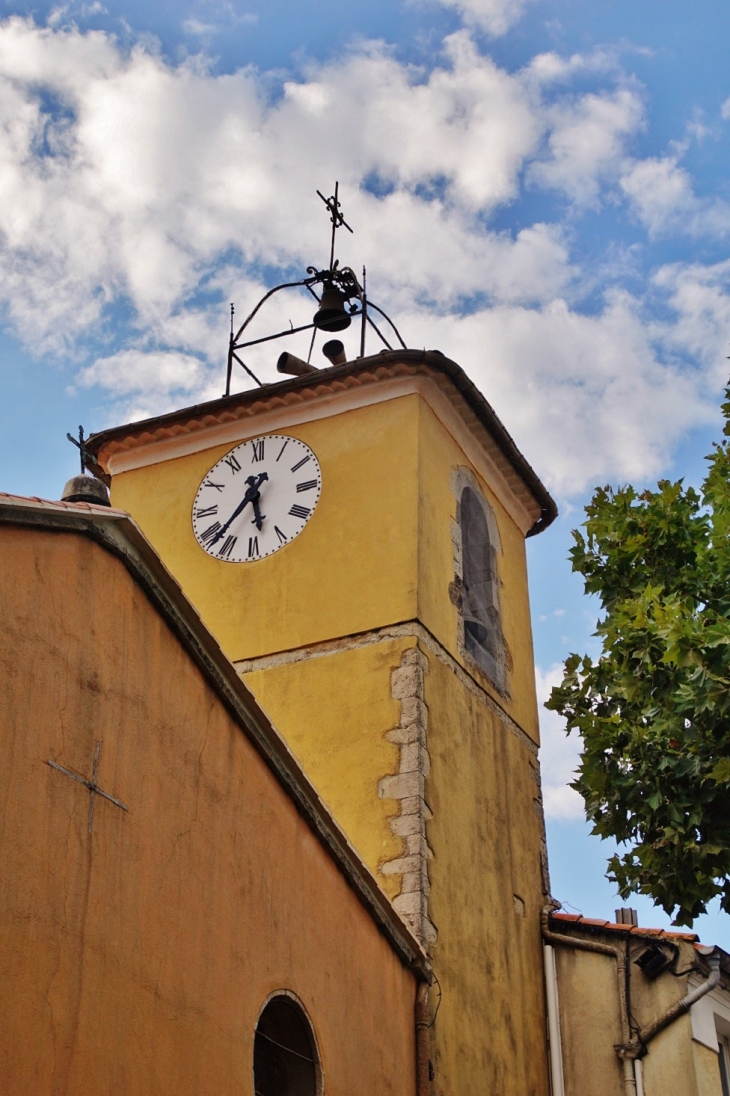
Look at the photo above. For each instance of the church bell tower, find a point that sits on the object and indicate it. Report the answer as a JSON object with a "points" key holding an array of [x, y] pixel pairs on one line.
{"points": [[355, 539]]}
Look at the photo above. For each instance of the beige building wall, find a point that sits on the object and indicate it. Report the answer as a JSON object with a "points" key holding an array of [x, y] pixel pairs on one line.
{"points": [[676, 1062]]}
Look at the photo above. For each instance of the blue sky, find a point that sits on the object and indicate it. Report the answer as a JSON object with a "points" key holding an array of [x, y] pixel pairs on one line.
{"points": [[538, 189]]}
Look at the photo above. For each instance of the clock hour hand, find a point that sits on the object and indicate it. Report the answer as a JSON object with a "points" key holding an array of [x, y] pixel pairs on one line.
{"points": [[258, 517], [252, 495]]}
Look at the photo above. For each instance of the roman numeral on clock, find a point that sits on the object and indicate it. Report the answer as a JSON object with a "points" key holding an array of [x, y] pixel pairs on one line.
{"points": [[253, 547], [258, 450], [299, 464], [209, 483], [207, 511], [210, 532], [227, 548], [307, 485], [299, 511], [282, 536], [232, 462]]}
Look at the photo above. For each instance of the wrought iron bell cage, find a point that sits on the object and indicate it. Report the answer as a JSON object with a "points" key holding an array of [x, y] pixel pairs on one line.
{"points": [[342, 298]]}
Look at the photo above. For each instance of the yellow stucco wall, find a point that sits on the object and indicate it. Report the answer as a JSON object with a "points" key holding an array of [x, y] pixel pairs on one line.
{"points": [[135, 958], [377, 550], [337, 710], [354, 566], [486, 894]]}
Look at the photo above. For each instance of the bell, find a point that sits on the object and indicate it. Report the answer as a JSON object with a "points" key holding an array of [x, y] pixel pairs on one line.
{"points": [[331, 315]]}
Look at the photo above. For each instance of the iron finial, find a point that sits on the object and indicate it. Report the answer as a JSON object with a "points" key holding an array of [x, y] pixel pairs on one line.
{"points": [[334, 208]]}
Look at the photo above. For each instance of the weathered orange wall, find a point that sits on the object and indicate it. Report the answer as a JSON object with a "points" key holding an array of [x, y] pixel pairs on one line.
{"points": [[135, 959]]}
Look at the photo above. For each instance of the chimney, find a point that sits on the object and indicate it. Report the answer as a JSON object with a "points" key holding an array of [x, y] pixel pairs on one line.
{"points": [[626, 916]]}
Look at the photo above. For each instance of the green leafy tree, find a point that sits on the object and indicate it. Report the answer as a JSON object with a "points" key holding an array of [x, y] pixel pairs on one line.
{"points": [[653, 711]]}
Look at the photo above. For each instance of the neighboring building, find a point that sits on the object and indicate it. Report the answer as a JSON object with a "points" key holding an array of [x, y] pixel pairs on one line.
{"points": [[635, 1011], [179, 913]]}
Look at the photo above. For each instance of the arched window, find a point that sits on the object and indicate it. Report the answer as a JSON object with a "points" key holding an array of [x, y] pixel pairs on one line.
{"points": [[284, 1052], [483, 638]]}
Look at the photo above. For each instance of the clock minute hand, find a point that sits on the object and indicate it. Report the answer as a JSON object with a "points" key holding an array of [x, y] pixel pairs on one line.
{"points": [[254, 482]]}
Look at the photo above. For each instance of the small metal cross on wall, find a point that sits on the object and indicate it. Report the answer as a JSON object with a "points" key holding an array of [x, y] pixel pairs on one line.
{"points": [[90, 784]]}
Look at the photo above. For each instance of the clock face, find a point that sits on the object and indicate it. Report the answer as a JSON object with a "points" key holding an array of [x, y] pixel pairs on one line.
{"points": [[257, 498]]}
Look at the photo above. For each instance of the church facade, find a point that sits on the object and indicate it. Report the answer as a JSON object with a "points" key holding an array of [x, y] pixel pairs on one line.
{"points": [[388, 639]]}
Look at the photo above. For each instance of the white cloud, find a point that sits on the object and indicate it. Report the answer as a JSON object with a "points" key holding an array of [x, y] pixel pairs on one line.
{"points": [[662, 195], [587, 142], [124, 178], [587, 397], [131, 371], [160, 170], [545, 69], [198, 29], [559, 753], [143, 383], [700, 298], [494, 16]]}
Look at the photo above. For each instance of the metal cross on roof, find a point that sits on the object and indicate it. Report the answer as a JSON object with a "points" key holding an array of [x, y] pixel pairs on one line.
{"points": [[90, 784], [334, 209], [80, 446]]}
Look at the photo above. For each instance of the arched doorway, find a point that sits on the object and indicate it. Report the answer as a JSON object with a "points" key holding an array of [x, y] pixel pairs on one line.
{"points": [[284, 1051]]}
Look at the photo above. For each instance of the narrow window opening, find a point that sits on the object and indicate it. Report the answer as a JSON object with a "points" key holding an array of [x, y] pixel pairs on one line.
{"points": [[724, 1061], [483, 637], [284, 1054]]}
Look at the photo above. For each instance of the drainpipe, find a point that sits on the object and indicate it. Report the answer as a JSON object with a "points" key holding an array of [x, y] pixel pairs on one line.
{"points": [[639, 1075], [423, 1042], [637, 1048], [617, 954], [557, 1080]]}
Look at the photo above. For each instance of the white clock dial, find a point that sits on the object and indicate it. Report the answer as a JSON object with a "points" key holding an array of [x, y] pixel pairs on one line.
{"points": [[257, 498]]}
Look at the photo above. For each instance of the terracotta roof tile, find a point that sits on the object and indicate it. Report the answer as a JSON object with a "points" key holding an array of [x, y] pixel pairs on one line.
{"points": [[611, 926]]}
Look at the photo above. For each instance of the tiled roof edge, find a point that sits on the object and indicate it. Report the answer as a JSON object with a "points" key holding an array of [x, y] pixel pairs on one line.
{"points": [[325, 381], [596, 925]]}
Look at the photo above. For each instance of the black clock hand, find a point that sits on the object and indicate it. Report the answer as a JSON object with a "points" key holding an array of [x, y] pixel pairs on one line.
{"points": [[258, 517], [254, 482]]}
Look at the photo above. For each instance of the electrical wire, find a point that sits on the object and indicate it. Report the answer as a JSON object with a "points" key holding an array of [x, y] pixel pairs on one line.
{"points": [[282, 1047], [438, 1003]]}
